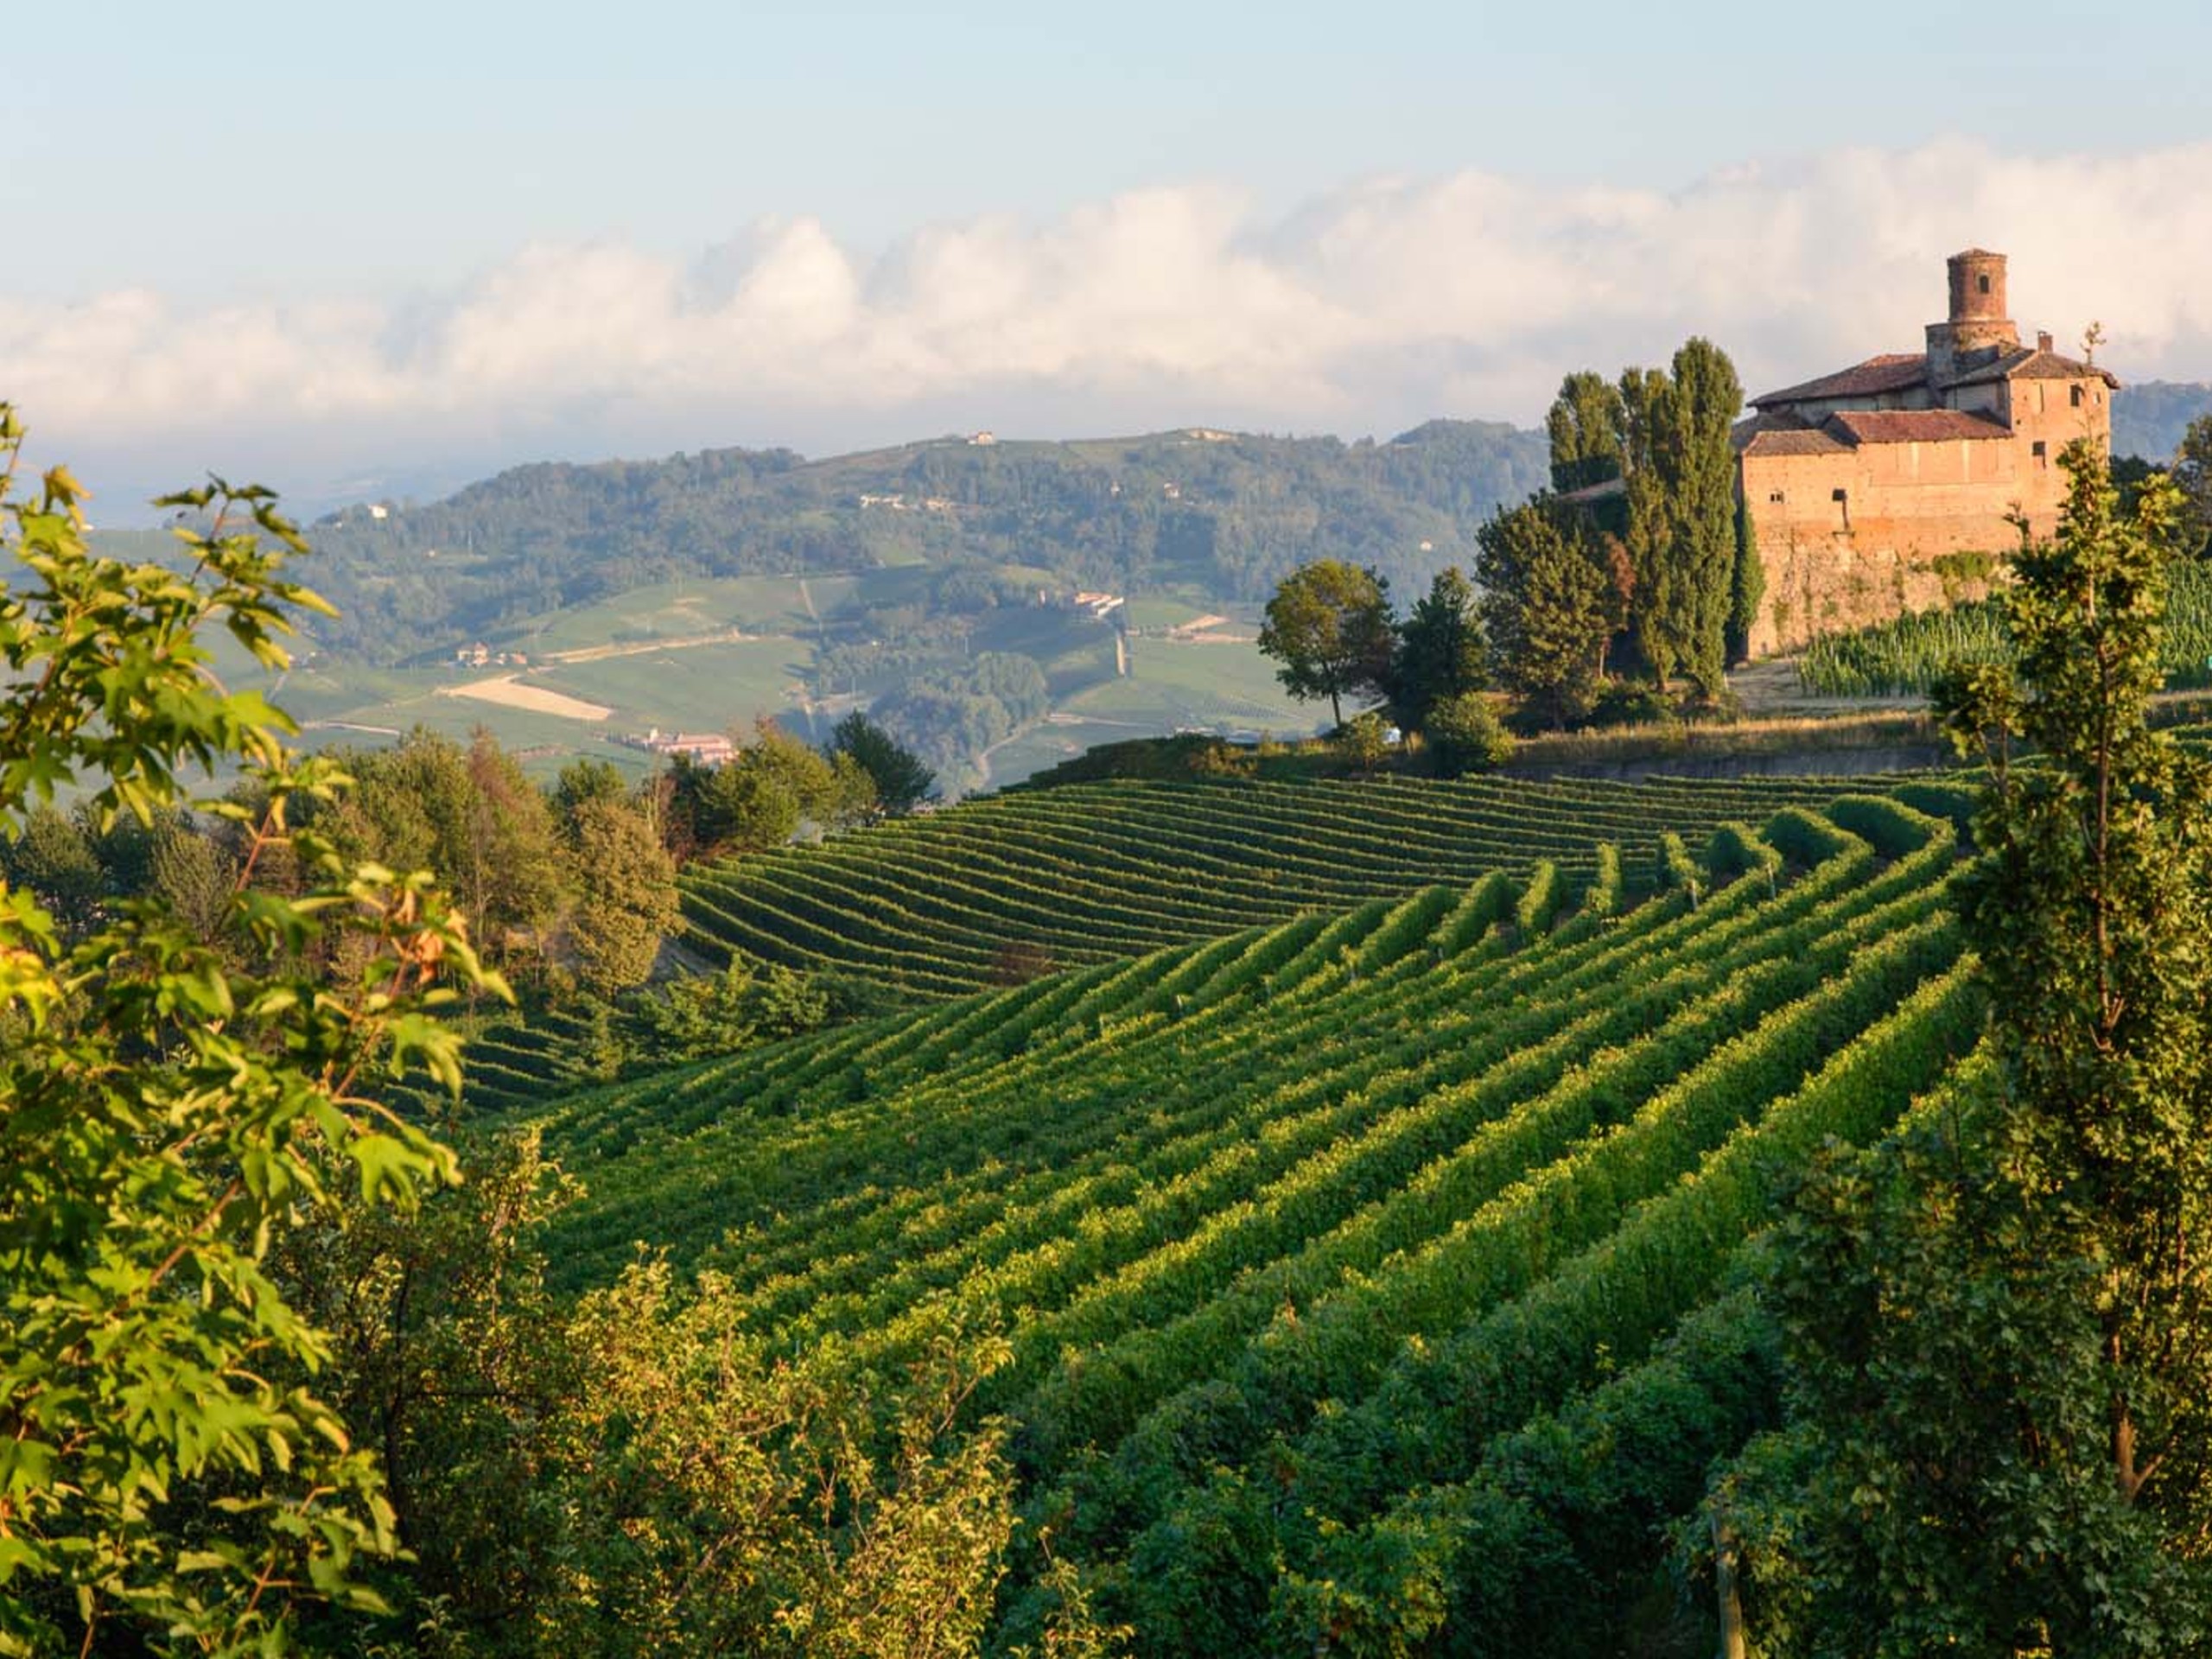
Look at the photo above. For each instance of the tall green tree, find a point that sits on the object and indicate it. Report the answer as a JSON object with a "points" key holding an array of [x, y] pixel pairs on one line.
{"points": [[2193, 474], [427, 801], [170, 1477], [2001, 1320], [902, 782], [1546, 608], [1647, 534], [625, 883], [1686, 626], [1441, 652], [1329, 625], [1746, 590], [582, 782], [1588, 427]]}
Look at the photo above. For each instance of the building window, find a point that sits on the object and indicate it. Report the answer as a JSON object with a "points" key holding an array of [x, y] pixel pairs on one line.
{"points": [[1774, 495], [2076, 397], [2041, 453], [1983, 283]]}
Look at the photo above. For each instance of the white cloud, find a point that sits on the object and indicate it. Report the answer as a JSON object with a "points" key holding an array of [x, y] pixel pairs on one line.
{"points": [[1367, 309]]}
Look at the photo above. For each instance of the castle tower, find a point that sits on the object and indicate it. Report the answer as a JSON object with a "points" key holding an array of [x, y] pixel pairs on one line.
{"points": [[1977, 329]]}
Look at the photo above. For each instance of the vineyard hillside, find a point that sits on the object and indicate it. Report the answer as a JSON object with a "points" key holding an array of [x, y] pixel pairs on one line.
{"points": [[1368, 1254], [1083, 873]]}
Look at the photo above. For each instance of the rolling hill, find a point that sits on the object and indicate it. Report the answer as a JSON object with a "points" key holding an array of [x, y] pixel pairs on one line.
{"points": [[1222, 514]]}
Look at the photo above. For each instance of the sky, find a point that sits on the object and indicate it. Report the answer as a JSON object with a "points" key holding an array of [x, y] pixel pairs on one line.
{"points": [[356, 249]]}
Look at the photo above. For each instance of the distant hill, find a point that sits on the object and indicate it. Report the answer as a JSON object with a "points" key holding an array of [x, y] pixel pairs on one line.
{"points": [[2148, 420], [1227, 514]]}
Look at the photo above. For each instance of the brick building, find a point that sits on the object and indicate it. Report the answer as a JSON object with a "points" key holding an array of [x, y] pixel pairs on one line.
{"points": [[1890, 485]]}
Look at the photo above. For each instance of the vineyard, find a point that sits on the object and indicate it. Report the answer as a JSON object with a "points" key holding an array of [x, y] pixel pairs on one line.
{"points": [[1364, 1218], [1019, 883], [1906, 656]]}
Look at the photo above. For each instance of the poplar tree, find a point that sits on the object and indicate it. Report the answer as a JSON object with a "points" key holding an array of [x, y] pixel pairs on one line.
{"points": [[1647, 535], [1746, 591], [1696, 468], [2193, 472], [1692, 582], [1588, 425], [625, 903]]}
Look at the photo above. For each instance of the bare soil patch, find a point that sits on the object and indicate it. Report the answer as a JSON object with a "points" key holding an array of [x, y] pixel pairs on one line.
{"points": [[510, 693]]}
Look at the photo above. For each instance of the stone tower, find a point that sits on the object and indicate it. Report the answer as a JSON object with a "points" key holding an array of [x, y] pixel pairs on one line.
{"points": [[1977, 331]]}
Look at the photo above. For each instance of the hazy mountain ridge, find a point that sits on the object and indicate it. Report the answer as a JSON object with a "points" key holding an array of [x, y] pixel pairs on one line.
{"points": [[2148, 420]]}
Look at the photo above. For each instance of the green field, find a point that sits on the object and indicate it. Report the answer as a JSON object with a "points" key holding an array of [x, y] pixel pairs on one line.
{"points": [[707, 679], [680, 610], [1374, 1145]]}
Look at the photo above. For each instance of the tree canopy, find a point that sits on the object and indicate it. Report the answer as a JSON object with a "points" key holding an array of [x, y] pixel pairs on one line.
{"points": [[902, 782], [1441, 652], [1547, 608], [1329, 625], [1588, 426]]}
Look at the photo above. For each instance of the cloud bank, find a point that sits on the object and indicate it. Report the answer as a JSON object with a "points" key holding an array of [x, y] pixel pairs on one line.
{"points": [[1366, 310]]}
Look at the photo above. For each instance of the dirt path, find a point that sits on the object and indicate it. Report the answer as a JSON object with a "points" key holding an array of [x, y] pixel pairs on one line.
{"points": [[1769, 690]]}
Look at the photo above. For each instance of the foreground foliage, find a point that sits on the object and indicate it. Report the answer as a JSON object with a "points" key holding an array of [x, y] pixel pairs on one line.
{"points": [[2001, 1322], [266, 1384], [634, 1471], [170, 1105]]}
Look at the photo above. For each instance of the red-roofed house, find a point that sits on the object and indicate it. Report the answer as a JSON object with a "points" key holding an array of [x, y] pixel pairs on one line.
{"points": [[1865, 487]]}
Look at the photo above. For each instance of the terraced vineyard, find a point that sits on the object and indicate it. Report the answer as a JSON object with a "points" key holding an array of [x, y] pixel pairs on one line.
{"points": [[1368, 1274], [1081, 874]]}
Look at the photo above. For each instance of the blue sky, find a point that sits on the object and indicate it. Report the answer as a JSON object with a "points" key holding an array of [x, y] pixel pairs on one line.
{"points": [[331, 192]]}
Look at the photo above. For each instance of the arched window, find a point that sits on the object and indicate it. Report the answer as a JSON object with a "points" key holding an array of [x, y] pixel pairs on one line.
{"points": [[2076, 398], [1983, 282]]}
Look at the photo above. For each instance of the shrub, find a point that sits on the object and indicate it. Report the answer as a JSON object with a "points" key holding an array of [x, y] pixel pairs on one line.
{"points": [[1464, 735]]}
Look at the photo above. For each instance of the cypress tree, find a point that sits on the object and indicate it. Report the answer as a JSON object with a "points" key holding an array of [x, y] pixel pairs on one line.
{"points": [[1700, 472]]}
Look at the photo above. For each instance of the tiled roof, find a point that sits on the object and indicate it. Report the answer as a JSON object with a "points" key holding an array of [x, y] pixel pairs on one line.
{"points": [[1912, 425], [1752, 426], [2030, 363], [1892, 372], [1800, 441]]}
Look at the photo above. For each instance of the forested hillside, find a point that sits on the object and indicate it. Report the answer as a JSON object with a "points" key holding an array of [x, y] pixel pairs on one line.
{"points": [[1227, 514]]}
